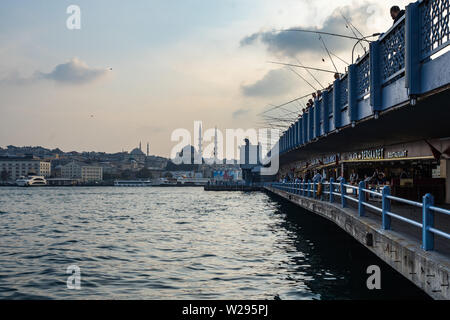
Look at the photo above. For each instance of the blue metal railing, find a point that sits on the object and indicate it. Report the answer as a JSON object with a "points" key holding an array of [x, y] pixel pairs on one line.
{"points": [[361, 196], [398, 53]]}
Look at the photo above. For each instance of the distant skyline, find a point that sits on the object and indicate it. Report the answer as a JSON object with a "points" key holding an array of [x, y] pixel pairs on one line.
{"points": [[138, 70]]}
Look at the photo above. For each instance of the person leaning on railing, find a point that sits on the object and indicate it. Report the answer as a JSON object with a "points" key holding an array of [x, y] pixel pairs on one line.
{"points": [[396, 13]]}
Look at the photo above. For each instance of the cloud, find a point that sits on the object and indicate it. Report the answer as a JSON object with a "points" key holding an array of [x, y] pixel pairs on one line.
{"points": [[290, 44], [74, 72], [274, 83], [240, 113]]}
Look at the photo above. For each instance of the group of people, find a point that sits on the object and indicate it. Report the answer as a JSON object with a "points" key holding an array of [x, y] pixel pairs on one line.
{"points": [[396, 14], [377, 178]]}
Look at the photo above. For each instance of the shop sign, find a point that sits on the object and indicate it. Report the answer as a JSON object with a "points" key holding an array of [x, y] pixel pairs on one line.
{"points": [[330, 159], [397, 154], [373, 154]]}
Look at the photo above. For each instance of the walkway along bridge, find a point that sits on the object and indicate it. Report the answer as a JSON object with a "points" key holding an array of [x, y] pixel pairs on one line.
{"points": [[397, 93]]}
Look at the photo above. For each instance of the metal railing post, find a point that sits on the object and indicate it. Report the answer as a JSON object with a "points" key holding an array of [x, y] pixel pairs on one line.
{"points": [[331, 190], [386, 207], [343, 193], [323, 189], [361, 208], [427, 223], [309, 189], [314, 189]]}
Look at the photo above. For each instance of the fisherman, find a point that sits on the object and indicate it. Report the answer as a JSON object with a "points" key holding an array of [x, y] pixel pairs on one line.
{"points": [[396, 13]]}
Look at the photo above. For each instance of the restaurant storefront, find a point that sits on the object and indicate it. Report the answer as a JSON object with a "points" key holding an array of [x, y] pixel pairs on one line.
{"points": [[410, 169]]}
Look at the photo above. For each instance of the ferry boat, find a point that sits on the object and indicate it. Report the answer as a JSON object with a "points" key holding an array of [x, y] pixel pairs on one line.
{"points": [[31, 181]]}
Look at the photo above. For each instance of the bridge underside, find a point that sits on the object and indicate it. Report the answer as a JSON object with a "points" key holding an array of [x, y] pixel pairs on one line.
{"points": [[428, 119]]}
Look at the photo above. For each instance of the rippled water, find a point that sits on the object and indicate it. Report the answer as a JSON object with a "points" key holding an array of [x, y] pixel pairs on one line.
{"points": [[177, 243]]}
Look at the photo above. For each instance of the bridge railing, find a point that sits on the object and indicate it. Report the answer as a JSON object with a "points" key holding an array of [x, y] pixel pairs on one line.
{"points": [[398, 54], [361, 195]]}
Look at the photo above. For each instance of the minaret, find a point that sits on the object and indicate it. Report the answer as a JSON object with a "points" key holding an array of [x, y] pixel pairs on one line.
{"points": [[215, 144], [148, 149], [140, 146], [200, 151]]}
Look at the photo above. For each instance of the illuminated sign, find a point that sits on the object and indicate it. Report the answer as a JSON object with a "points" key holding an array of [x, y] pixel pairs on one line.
{"points": [[373, 154], [397, 154]]}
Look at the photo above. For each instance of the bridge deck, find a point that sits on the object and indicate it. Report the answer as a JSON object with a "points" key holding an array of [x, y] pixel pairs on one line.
{"points": [[442, 222], [399, 247]]}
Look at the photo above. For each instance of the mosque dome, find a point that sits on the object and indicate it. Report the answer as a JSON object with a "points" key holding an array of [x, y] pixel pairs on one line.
{"points": [[137, 152]]}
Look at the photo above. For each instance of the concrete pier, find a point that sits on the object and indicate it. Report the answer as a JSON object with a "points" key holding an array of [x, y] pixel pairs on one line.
{"points": [[427, 270]]}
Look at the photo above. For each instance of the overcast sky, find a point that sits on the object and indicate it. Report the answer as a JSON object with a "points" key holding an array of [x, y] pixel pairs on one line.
{"points": [[173, 62]]}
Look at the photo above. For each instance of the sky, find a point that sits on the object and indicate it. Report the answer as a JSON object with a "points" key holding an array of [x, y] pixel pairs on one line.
{"points": [[137, 70]]}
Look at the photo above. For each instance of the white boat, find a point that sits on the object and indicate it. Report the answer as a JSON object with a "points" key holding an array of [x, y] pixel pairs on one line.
{"points": [[31, 181]]}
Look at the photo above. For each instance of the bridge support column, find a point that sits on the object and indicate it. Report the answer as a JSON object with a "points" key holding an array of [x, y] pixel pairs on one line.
{"points": [[311, 123], [412, 49], [353, 92], [326, 112], [337, 103], [375, 77], [317, 112]]}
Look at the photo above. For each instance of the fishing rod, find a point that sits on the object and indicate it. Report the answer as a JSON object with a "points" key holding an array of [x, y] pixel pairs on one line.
{"points": [[324, 33], [310, 73], [272, 105], [287, 110], [339, 58], [353, 31], [298, 66], [353, 50], [328, 52], [284, 116], [298, 74], [349, 22], [287, 103]]}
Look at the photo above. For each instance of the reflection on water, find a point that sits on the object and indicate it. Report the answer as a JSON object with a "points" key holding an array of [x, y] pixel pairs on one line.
{"points": [[178, 243]]}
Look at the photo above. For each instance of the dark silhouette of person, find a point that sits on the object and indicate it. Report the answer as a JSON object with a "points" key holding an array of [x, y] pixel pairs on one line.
{"points": [[396, 13]]}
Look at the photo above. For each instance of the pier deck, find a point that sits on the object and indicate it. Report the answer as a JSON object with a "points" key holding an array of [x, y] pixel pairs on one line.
{"points": [[399, 247]]}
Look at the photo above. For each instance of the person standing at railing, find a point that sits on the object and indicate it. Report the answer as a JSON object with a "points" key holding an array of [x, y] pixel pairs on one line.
{"points": [[354, 177], [317, 177], [396, 13]]}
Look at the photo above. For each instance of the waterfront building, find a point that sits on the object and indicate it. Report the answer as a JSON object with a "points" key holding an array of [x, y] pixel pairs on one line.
{"points": [[91, 174], [15, 167], [82, 172]]}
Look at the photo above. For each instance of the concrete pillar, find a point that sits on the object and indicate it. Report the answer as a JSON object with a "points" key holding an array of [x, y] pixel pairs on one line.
{"points": [[445, 173]]}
